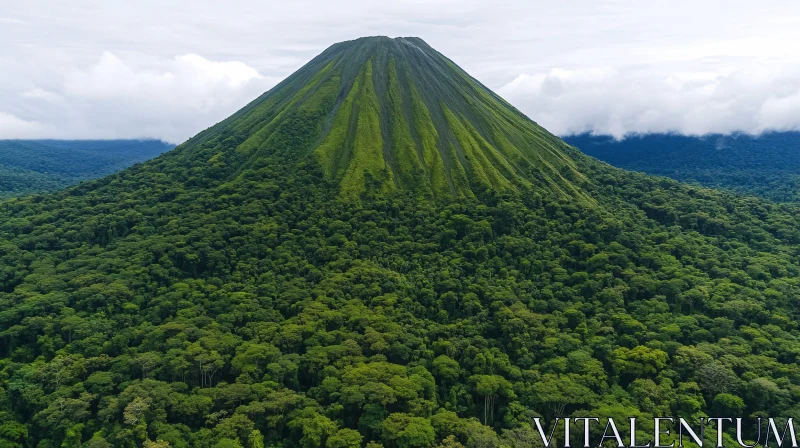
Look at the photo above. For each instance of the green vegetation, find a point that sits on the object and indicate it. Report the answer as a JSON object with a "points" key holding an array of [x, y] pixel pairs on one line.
{"points": [[485, 174], [428, 138], [215, 297], [383, 114], [37, 166], [410, 158], [767, 166], [367, 159]]}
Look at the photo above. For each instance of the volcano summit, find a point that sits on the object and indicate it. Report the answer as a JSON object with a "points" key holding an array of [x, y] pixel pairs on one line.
{"points": [[399, 115]]}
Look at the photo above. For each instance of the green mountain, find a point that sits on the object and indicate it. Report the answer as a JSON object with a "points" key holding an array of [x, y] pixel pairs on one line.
{"points": [[379, 252], [766, 165], [397, 114], [37, 166]]}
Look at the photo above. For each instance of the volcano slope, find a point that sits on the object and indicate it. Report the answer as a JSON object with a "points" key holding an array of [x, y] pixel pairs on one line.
{"points": [[382, 252]]}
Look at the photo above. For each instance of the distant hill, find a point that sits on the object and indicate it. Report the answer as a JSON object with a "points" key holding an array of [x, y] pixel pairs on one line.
{"points": [[36, 166], [766, 166]]}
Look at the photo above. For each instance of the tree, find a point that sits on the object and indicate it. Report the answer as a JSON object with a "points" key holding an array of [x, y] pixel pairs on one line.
{"points": [[556, 395], [252, 358], [228, 443], [236, 427], [639, 361], [256, 439], [344, 438], [490, 387], [727, 404], [405, 431], [147, 361], [315, 428], [715, 378], [449, 442], [157, 444], [72, 438], [135, 411], [446, 368]]}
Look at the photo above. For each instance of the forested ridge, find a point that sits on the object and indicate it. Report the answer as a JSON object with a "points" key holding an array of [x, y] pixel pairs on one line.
{"points": [[766, 165], [224, 297], [38, 166]]}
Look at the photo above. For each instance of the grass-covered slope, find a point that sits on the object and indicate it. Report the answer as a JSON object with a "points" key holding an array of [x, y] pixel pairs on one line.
{"points": [[396, 114]]}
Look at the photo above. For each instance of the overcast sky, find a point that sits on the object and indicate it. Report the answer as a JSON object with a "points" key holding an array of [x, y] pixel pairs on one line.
{"points": [[169, 69]]}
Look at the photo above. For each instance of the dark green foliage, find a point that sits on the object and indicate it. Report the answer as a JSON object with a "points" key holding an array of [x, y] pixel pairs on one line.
{"points": [[767, 165], [226, 294], [36, 166]]}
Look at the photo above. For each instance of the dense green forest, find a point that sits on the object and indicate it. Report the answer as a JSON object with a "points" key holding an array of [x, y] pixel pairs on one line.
{"points": [[767, 166], [247, 290], [37, 166]]}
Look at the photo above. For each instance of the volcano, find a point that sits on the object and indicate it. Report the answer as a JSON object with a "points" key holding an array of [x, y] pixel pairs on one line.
{"points": [[395, 114], [381, 252]]}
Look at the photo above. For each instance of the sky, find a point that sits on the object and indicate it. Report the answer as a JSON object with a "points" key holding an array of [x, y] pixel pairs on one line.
{"points": [[169, 69]]}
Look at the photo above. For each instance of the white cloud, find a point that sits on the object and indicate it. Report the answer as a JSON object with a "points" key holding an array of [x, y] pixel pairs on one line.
{"points": [[189, 80], [637, 100], [12, 126], [40, 94], [170, 99], [605, 65], [780, 113]]}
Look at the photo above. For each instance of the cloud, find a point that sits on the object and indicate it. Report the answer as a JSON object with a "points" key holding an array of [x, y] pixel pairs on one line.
{"points": [[780, 113], [168, 99], [12, 126], [14, 21], [98, 70], [39, 94], [640, 100], [188, 81], [174, 100]]}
